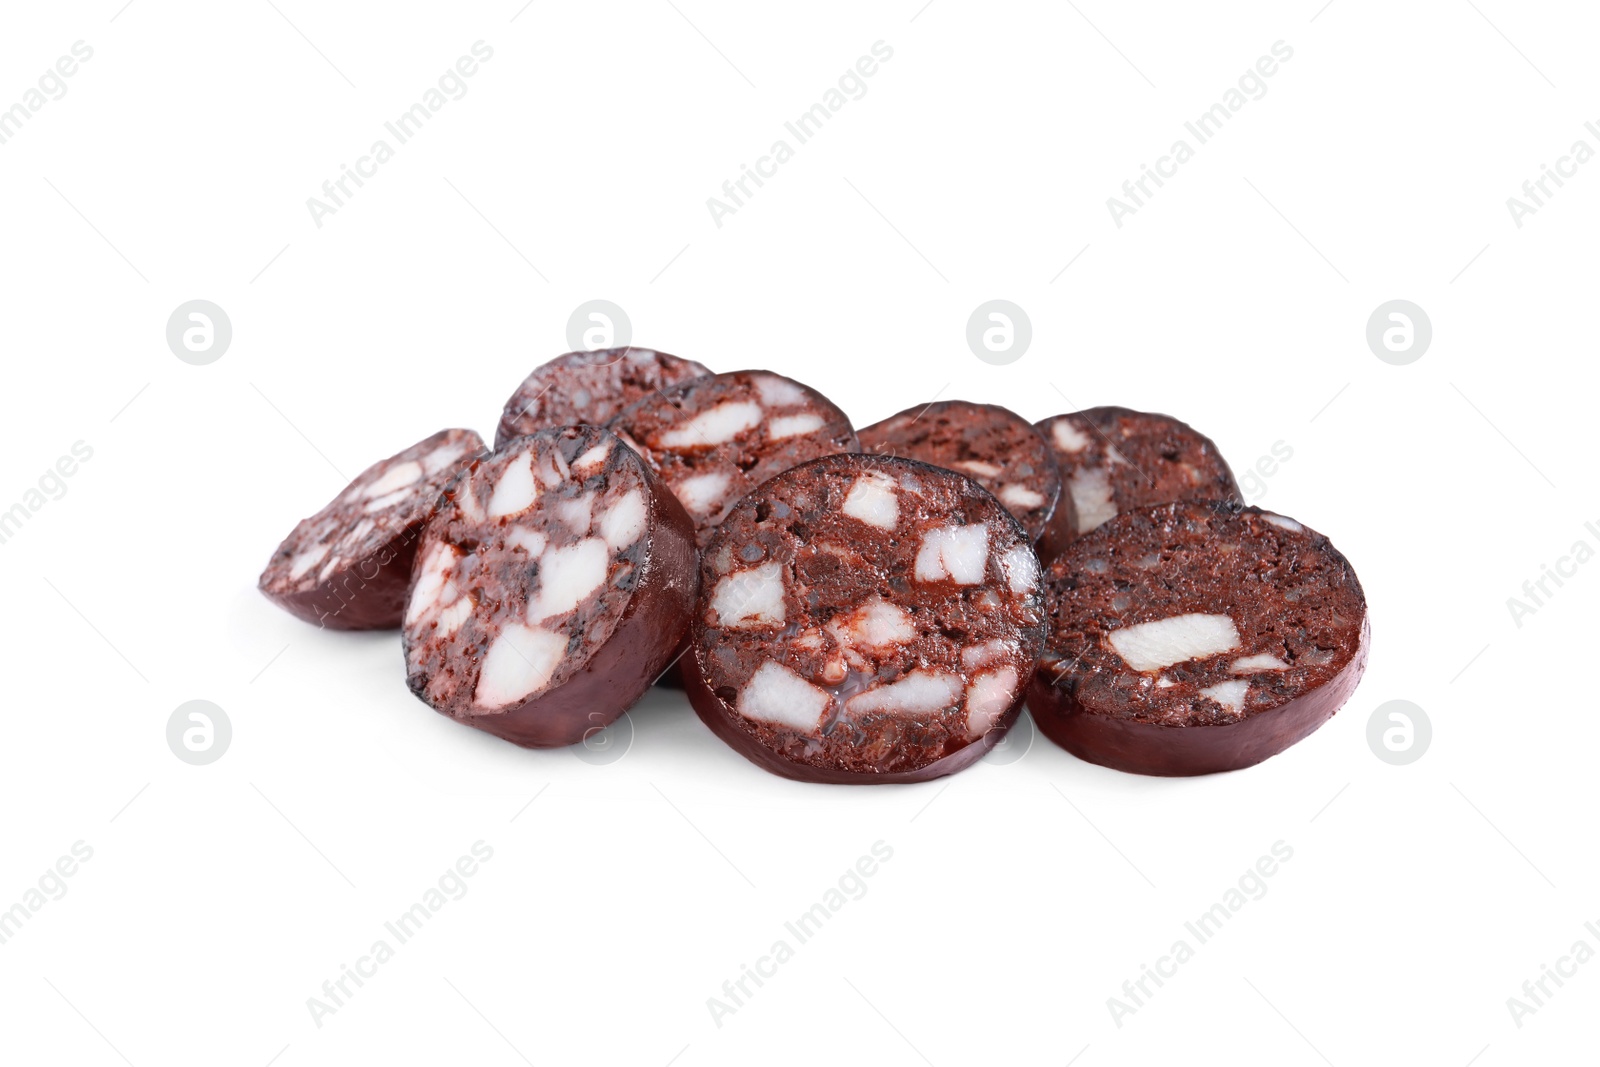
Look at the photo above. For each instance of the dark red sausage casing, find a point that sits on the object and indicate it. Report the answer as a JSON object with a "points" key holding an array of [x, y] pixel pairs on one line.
{"points": [[348, 567], [1192, 638], [553, 586], [1115, 459], [992, 445], [714, 439], [865, 619], [589, 387]]}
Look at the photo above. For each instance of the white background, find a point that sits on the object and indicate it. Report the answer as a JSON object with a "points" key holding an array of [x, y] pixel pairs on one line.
{"points": [[1020, 895]]}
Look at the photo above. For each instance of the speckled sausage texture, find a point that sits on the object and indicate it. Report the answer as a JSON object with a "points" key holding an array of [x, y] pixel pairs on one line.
{"points": [[348, 567], [996, 447], [714, 439], [1194, 638], [589, 387], [865, 619], [553, 586], [1114, 460]]}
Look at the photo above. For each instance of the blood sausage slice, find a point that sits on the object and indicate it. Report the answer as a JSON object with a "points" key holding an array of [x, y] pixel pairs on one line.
{"points": [[551, 589], [865, 619], [348, 566], [1191, 638]]}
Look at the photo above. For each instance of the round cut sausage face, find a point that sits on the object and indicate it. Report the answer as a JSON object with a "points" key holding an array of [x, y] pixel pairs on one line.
{"points": [[348, 566], [995, 447], [1114, 460], [589, 387], [865, 619], [714, 439], [1192, 638], [552, 587]]}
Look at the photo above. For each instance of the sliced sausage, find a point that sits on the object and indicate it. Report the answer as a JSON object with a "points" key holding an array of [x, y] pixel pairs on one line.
{"points": [[348, 566], [589, 387], [865, 619], [714, 439], [996, 447], [1190, 638], [554, 584], [1114, 460]]}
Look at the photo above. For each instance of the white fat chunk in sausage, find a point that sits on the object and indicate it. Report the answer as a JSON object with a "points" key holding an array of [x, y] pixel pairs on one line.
{"points": [[567, 576], [988, 697], [875, 624], [956, 553], [519, 663], [872, 500], [974, 466], [302, 562], [399, 496], [779, 697], [451, 618], [975, 656], [1068, 437], [431, 580], [396, 477], [1020, 496], [1021, 569], [441, 457], [750, 599], [1091, 497], [1150, 646], [777, 393], [516, 490], [554, 470], [1263, 661], [577, 512], [918, 693], [701, 494], [624, 521], [467, 499], [1282, 521], [810, 639], [592, 458], [714, 426], [784, 426], [530, 541], [1229, 694]]}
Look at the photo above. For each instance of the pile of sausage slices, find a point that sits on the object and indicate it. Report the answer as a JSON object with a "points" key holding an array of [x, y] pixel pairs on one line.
{"points": [[840, 605]]}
